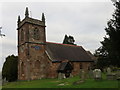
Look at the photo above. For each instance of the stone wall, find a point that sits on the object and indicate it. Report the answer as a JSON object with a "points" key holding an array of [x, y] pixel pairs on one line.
{"points": [[53, 70], [32, 61], [77, 67]]}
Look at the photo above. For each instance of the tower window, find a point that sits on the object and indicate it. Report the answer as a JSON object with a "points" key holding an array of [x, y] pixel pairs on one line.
{"points": [[36, 34], [22, 35]]}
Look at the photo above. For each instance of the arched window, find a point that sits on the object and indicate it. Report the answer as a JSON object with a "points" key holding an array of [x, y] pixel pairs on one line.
{"points": [[22, 34], [36, 34]]}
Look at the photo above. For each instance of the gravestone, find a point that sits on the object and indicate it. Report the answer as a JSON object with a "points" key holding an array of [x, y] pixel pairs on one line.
{"points": [[110, 75], [118, 73], [108, 70], [104, 70], [61, 76], [83, 75], [71, 75], [97, 74], [90, 73], [4, 81]]}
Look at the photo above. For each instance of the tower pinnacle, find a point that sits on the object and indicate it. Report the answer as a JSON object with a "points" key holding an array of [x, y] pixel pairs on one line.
{"points": [[26, 12], [18, 20], [43, 17]]}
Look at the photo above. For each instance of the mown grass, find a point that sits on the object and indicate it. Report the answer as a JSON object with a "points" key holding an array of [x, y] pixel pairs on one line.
{"points": [[68, 83]]}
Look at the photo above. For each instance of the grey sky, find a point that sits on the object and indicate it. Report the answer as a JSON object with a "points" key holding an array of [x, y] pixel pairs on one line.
{"points": [[83, 20]]}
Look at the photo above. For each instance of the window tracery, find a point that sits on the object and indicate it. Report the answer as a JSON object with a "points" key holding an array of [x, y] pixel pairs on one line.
{"points": [[36, 34]]}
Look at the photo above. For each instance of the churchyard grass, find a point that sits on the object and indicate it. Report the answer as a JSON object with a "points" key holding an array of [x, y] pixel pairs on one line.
{"points": [[63, 83]]}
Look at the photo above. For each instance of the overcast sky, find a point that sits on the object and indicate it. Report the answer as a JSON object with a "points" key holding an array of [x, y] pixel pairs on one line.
{"points": [[85, 21]]}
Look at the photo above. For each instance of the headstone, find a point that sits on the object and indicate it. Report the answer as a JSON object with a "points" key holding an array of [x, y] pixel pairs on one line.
{"points": [[4, 81], [118, 73], [90, 73], [97, 74], [61, 76], [104, 70], [71, 75], [110, 75], [83, 76], [108, 70]]}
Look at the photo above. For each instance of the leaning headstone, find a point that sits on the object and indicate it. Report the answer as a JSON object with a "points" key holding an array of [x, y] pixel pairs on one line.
{"points": [[108, 70], [97, 74]]}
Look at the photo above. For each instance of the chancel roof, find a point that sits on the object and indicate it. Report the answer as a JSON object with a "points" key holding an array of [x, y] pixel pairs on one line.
{"points": [[59, 52]]}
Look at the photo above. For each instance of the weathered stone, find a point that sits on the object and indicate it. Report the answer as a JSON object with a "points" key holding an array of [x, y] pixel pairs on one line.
{"points": [[61, 76], [83, 75], [97, 74], [104, 70], [118, 73], [111, 76], [90, 72], [108, 70]]}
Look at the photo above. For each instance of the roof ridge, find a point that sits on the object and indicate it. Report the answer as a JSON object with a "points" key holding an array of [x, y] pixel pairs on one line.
{"points": [[64, 44]]}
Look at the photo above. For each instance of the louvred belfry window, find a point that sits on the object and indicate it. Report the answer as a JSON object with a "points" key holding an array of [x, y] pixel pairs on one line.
{"points": [[36, 34]]}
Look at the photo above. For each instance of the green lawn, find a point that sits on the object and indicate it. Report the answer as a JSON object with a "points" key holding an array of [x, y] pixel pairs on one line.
{"points": [[68, 83]]}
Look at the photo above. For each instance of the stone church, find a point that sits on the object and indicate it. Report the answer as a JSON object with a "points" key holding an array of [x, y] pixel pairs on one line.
{"points": [[38, 58]]}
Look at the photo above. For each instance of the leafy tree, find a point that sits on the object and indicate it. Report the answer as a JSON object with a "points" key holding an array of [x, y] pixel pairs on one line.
{"points": [[9, 70], [69, 40], [109, 52]]}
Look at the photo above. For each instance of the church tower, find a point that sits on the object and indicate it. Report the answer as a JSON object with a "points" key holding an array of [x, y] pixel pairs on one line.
{"points": [[31, 47]]}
